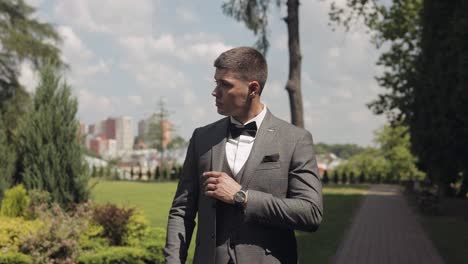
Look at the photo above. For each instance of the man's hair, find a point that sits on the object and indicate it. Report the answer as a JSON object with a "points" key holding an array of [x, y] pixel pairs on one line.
{"points": [[247, 63]]}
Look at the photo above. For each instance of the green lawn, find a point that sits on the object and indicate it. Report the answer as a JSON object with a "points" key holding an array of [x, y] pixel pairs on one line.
{"points": [[448, 230], [155, 200]]}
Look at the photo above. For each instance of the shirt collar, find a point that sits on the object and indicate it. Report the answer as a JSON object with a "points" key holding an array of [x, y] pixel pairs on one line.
{"points": [[257, 119]]}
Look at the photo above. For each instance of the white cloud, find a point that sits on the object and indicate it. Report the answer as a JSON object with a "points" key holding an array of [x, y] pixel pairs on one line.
{"points": [[28, 77], [94, 105], [186, 48], [73, 47], [113, 17]]}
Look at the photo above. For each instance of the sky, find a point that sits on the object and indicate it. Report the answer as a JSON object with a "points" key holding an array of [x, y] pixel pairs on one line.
{"points": [[127, 55]]}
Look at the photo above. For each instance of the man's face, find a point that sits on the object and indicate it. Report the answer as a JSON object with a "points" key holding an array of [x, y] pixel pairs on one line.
{"points": [[231, 93]]}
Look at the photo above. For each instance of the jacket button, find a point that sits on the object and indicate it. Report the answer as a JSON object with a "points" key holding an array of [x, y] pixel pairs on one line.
{"points": [[212, 235]]}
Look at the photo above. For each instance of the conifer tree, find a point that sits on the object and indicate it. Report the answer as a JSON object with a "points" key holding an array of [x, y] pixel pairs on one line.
{"points": [[325, 178], [51, 157], [7, 160], [335, 177], [157, 174]]}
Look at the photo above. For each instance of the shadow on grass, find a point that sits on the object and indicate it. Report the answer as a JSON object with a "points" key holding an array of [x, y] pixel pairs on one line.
{"points": [[448, 230], [321, 246]]}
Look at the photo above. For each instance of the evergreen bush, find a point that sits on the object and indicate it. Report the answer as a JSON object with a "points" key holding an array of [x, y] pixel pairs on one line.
{"points": [[50, 154], [15, 203]]}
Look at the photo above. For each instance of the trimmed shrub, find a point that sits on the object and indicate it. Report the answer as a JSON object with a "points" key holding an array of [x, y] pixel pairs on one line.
{"points": [[14, 231], [116, 255], [155, 244], [137, 229], [114, 220], [57, 242], [15, 202], [15, 258]]}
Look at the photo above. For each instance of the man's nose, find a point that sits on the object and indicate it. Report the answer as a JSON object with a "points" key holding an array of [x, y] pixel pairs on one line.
{"points": [[215, 92]]}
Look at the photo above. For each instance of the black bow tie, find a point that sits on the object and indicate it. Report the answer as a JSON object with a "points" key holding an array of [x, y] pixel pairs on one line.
{"points": [[250, 129]]}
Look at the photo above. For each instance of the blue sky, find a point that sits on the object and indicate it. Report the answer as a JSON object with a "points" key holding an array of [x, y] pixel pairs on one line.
{"points": [[125, 55]]}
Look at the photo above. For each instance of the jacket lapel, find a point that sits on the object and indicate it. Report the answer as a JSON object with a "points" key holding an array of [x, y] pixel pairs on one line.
{"points": [[218, 150], [263, 140]]}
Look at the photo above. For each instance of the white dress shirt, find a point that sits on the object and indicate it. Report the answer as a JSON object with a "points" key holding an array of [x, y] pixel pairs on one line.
{"points": [[238, 149]]}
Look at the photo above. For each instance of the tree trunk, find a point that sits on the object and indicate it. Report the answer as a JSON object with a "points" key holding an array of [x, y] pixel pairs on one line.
{"points": [[293, 86]]}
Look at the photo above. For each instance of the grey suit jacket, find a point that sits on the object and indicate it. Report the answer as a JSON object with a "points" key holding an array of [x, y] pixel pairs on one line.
{"points": [[285, 193]]}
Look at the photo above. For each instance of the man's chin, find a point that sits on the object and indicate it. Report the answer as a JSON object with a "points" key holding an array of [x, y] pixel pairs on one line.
{"points": [[221, 112]]}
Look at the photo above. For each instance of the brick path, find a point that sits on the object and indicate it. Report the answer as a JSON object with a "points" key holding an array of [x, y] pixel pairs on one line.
{"points": [[386, 231]]}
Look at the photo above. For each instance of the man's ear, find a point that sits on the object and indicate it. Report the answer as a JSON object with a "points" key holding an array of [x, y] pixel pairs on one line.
{"points": [[254, 88]]}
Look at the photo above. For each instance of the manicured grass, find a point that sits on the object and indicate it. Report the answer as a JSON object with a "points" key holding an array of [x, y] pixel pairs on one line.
{"points": [[340, 203], [155, 200]]}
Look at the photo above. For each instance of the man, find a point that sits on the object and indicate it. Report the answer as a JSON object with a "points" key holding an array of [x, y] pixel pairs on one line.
{"points": [[251, 177]]}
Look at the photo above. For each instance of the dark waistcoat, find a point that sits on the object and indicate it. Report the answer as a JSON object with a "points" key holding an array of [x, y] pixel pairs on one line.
{"points": [[228, 221]]}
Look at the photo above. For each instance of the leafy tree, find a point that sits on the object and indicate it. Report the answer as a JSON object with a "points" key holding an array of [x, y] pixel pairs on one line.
{"points": [[7, 160], [425, 73], [254, 14], [394, 142], [177, 142], [344, 151], [22, 39], [51, 157]]}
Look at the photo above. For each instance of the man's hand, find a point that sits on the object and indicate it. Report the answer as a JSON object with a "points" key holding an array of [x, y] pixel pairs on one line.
{"points": [[221, 186]]}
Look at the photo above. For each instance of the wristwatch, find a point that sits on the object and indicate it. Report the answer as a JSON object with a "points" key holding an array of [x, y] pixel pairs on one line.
{"points": [[240, 196]]}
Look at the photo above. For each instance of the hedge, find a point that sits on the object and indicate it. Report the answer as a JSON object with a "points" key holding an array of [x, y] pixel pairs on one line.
{"points": [[15, 258]]}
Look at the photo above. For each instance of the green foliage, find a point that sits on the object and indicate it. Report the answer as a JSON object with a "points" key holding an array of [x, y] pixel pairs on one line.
{"points": [[425, 74], [51, 157], [15, 258], [57, 241], [7, 160], [114, 220], [344, 151], [22, 38], [15, 202], [254, 14], [392, 158], [15, 231], [395, 146], [115, 255], [370, 162], [137, 229]]}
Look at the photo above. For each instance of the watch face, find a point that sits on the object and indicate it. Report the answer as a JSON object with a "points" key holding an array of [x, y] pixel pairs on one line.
{"points": [[239, 197]]}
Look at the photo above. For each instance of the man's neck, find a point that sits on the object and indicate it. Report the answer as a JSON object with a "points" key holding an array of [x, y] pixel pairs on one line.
{"points": [[252, 113]]}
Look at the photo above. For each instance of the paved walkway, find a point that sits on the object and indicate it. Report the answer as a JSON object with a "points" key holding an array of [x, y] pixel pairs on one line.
{"points": [[386, 231]]}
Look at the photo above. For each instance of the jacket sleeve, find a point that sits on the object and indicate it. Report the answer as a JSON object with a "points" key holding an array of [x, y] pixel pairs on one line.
{"points": [[302, 209], [184, 208]]}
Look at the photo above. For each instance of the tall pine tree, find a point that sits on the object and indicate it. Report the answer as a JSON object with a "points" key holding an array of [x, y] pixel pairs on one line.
{"points": [[51, 157]]}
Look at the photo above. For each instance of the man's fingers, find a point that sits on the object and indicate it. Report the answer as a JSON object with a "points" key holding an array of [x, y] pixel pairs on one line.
{"points": [[210, 187], [211, 180], [212, 174]]}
